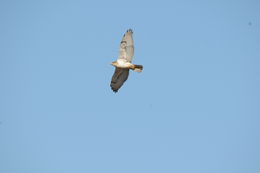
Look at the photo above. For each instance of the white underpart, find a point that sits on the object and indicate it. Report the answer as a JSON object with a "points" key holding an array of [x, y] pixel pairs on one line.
{"points": [[123, 63], [137, 70]]}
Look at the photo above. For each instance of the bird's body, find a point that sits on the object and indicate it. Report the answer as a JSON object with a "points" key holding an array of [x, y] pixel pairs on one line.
{"points": [[124, 62]]}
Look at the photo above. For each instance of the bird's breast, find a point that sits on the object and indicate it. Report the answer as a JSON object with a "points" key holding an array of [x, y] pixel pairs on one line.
{"points": [[123, 63]]}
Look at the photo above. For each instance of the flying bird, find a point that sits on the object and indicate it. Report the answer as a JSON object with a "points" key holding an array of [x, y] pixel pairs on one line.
{"points": [[124, 62]]}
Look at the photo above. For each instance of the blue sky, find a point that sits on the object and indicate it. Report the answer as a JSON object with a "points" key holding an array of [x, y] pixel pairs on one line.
{"points": [[194, 108]]}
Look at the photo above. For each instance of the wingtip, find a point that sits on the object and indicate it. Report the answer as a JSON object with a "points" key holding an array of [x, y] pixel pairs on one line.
{"points": [[130, 30], [115, 91]]}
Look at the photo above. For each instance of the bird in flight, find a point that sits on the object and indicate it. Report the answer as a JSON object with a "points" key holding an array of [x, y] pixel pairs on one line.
{"points": [[124, 62]]}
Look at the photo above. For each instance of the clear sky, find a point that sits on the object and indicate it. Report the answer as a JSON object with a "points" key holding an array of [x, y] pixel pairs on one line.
{"points": [[194, 109]]}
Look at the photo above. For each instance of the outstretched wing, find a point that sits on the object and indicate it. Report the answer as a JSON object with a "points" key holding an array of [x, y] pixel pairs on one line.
{"points": [[126, 50], [119, 77]]}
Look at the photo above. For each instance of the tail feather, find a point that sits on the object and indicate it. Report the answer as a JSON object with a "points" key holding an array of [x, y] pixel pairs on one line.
{"points": [[138, 68]]}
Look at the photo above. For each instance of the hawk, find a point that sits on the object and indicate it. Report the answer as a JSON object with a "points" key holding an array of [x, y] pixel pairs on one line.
{"points": [[124, 62]]}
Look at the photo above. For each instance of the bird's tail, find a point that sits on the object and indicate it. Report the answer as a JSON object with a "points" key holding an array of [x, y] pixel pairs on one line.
{"points": [[138, 68]]}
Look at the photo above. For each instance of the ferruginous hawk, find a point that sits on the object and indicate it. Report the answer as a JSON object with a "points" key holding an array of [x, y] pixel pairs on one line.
{"points": [[124, 61]]}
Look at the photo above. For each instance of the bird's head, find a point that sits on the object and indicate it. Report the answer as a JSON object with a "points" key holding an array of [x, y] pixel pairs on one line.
{"points": [[114, 63]]}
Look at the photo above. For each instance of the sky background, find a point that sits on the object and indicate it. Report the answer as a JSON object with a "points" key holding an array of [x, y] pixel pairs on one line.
{"points": [[194, 108]]}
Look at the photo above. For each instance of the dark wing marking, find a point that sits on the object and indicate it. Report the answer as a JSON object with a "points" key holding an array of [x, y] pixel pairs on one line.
{"points": [[119, 77]]}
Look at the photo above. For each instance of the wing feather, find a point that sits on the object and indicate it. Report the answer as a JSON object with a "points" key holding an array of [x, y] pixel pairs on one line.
{"points": [[119, 77], [126, 50]]}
